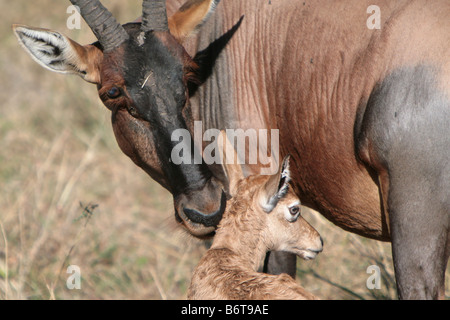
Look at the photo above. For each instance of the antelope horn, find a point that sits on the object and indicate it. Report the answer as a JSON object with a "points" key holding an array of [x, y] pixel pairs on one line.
{"points": [[154, 15], [108, 31]]}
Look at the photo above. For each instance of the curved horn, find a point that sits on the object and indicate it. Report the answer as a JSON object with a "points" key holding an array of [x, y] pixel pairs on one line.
{"points": [[154, 15], [108, 31]]}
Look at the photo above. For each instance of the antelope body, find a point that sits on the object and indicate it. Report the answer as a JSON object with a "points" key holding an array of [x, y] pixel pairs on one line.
{"points": [[248, 230], [363, 112]]}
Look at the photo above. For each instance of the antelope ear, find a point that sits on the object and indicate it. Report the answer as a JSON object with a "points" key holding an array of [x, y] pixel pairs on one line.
{"points": [[190, 17], [229, 159], [276, 187], [58, 53]]}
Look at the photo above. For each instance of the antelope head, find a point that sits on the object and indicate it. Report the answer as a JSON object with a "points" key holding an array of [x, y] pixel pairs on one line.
{"points": [[142, 72]]}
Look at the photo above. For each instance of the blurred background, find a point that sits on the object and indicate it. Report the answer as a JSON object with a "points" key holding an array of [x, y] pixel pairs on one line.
{"points": [[69, 196]]}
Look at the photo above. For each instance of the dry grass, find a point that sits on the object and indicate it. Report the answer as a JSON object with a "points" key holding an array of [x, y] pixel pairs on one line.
{"points": [[69, 195]]}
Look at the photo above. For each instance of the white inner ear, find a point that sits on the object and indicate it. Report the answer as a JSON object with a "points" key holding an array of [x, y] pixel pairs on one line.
{"points": [[47, 48], [212, 8], [287, 214]]}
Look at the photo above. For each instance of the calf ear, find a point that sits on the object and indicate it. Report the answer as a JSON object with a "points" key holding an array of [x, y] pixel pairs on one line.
{"points": [[190, 17], [276, 187], [58, 53]]}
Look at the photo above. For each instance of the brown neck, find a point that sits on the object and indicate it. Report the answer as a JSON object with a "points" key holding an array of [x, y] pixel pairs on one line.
{"points": [[243, 234]]}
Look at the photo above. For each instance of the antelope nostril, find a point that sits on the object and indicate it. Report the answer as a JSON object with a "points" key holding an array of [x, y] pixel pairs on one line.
{"points": [[320, 249], [208, 220], [316, 250]]}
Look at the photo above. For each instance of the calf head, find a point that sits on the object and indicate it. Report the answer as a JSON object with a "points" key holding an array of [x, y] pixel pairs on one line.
{"points": [[286, 229], [269, 206]]}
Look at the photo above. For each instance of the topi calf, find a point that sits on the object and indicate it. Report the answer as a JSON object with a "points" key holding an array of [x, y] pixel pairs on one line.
{"points": [[263, 215]]}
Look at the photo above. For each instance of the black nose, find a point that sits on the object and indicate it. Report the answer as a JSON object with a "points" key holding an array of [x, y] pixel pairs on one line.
{"points": [[321, 249], [208, 220]]}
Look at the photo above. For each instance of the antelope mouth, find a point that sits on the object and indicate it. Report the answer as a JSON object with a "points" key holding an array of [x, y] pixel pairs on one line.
{"points": [[196, 229], [306, 254], [200, 222]]}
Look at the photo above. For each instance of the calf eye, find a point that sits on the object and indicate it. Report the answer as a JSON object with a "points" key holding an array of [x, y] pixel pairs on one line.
{"points": [[114, 93], [294, 210], [292, 213]]}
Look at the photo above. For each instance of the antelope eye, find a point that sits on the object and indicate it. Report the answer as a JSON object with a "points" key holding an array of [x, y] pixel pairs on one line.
{"points": [[114, 93], [294, 210]]}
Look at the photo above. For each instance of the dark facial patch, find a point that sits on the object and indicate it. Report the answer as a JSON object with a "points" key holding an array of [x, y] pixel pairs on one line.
{"points": [[153, 71], [154, 78]]}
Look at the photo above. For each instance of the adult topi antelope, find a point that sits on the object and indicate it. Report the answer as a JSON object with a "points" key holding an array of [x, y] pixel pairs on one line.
{"points": [[364, 112]]}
